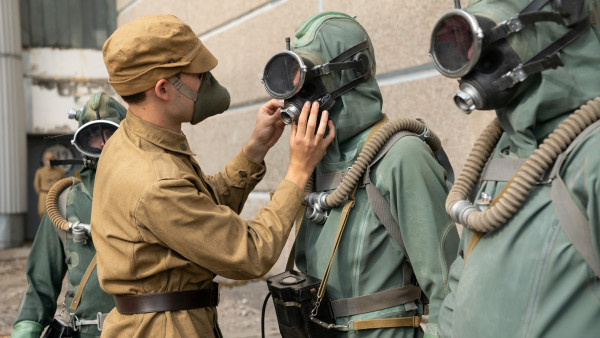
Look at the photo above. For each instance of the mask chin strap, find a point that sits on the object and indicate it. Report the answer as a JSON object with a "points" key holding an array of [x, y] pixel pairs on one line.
{"points": [[182, 88], [336, 64], [547, 58]]}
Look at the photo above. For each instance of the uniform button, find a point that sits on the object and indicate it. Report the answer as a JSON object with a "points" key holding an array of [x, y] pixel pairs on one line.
{"points": [[68, 260], [243, 174], [183, 147]]}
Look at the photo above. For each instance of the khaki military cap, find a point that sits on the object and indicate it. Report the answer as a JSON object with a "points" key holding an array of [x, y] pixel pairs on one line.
{"points": [[150, 48]]}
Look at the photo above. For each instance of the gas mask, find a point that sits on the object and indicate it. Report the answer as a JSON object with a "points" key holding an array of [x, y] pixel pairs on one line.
{"points": [[211, 98], [296, 79], [90, 138], [98, 120], [475, 49]]}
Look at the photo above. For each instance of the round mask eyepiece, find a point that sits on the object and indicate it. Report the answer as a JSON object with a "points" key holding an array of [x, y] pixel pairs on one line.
{"points": [[456, 43], [89, 139], [284, 75]]}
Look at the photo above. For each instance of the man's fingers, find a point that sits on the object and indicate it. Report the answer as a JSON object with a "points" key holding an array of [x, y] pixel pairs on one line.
{"points": [[271, 106], [323, 124], [302, 119], [312, 119], [331, 134]]}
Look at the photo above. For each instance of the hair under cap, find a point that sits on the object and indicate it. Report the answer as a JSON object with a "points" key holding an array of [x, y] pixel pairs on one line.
{"points": [[150, 48]]}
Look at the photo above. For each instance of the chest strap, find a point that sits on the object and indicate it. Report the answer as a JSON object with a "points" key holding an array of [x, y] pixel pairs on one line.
{"points": [[501, 169], [167, 301]]}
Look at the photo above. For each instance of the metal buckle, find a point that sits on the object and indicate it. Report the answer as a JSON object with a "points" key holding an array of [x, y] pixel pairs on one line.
{"points": [[344, 327], [322, 69], [544, 182], [101, 318], [513, 24], [516, 75]]}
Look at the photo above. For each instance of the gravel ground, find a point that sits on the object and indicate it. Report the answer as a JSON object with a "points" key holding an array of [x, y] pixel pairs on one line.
{"points": [[239, 309]]}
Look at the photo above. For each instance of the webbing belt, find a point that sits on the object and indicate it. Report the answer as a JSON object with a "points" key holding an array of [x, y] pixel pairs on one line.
{"points": [[376, 301], [386, 323]]}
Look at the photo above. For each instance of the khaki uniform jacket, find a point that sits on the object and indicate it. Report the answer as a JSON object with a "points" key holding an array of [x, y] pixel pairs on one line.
{"points": [[44, 178], [160, 224]]}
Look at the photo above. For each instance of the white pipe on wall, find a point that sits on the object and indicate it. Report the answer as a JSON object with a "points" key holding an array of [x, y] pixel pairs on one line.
{"points": [[13, 139]]}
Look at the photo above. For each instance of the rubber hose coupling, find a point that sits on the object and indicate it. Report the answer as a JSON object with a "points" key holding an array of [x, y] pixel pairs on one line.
{"points": [[81, 232], [316, 210], [460, 210]]}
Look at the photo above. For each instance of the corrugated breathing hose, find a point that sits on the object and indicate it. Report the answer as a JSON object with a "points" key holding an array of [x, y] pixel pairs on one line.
{"points": [[511, 198], [52, 202], [370, 150]]}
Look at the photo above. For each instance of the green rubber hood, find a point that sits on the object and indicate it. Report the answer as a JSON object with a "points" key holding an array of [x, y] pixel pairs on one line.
{"points": [[100, 106], [546, 98], [319, 39]]}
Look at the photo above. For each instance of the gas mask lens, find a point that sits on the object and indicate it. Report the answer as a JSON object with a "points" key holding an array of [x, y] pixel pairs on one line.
{"points": [[284, 75], [456, 43], [92, 136]]}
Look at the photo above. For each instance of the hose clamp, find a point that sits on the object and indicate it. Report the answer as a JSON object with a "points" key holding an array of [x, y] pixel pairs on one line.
{"points": [[460, 210], [80, 233], [426, 134], [316, 210]]}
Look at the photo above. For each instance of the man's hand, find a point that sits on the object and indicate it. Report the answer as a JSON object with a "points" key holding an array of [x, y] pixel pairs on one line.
{"points": [[267, 131], [307, 148]]}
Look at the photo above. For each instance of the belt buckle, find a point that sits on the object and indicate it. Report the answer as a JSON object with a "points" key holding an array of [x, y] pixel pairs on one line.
{"points": [[100, 323], [216, 293]]}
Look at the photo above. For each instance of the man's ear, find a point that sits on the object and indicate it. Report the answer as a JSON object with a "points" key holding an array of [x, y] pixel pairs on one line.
{"points": [[161, 89]]}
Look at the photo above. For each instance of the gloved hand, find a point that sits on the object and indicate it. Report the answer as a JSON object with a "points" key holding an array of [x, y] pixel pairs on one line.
{"points": [[27, 329]]}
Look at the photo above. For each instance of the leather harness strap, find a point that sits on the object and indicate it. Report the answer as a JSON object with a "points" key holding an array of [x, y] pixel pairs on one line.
{"points": [[167, 301], [84, 279]]}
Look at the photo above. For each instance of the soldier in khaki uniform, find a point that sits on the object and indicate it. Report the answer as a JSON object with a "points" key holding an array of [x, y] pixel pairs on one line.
{"points": [[44, 178], [162, 228]]}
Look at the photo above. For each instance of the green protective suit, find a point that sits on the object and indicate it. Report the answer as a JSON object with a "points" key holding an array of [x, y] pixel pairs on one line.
{"points": [[47, 266], [526, 279], [368, 260]]}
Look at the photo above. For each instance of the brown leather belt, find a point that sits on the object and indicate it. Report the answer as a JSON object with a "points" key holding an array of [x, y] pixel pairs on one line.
{"points": [[167, 301]]}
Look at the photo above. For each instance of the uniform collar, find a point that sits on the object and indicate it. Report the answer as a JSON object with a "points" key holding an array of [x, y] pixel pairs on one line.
{"points": [[164, 138]]}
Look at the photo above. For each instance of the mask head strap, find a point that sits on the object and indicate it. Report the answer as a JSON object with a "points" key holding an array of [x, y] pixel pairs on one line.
{"points": [[527, 16], [336, 63], [182, 88], [547, 58]]}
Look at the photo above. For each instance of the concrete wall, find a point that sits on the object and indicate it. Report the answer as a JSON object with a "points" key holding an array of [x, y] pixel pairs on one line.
{"points": [[57, 80], [244, 34]]}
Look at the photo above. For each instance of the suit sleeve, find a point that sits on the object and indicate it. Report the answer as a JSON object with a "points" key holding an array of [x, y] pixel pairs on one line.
{"points": [[45, 271], [415, 184]]}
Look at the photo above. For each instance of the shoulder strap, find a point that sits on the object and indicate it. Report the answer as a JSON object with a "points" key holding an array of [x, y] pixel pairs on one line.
{"points": [[88, 272], [380, 206], [573, 221]]}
